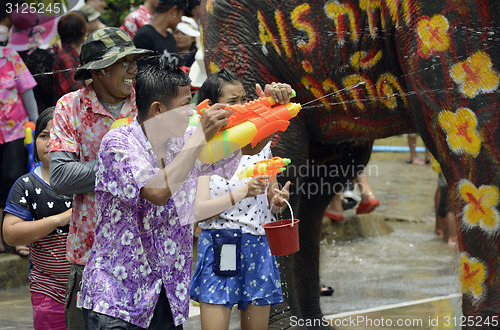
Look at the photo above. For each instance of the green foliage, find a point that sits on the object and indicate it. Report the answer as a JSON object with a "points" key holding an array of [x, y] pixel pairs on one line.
{"points": [[117, 10]]}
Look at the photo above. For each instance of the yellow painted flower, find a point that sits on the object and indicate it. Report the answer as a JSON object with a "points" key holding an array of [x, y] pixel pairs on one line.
{"points": [[475, 75], [433, 34], [461, 131], [480, 208], [472, 276]]}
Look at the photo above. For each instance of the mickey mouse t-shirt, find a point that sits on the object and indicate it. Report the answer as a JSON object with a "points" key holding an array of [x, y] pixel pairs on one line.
{"points": [[31, 198]]}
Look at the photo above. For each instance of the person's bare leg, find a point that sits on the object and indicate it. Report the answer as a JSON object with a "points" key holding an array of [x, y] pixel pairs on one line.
{"points": [[428, 157], [365, 189], [255, 317], [215, 317], [451, 227], [334, 209], [368, 202], [412, 144], [438, 227]]}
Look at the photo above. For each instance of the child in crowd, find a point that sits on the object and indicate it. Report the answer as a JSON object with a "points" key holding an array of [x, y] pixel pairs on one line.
{"points": [[35, 215], [139, 268], [254, 282], [185, 35]]}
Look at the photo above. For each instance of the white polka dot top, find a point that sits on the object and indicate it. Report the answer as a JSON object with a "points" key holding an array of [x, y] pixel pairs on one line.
{"points": [[248, 215]]}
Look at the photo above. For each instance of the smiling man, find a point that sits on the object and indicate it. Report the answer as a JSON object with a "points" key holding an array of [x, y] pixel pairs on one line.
{"points": [[81, 119]]}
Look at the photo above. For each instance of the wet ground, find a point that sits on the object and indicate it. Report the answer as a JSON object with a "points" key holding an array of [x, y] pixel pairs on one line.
{"points": [[404, 280]]}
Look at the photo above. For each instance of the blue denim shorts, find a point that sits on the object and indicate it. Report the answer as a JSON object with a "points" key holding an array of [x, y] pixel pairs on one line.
{"points": [[257, 283]]}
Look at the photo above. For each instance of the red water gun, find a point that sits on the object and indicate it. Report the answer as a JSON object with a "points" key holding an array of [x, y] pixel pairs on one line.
{"points": [[269, 167]]}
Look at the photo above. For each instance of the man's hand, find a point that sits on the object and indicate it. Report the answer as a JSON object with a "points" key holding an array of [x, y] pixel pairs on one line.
{"points": [[213, 119]]}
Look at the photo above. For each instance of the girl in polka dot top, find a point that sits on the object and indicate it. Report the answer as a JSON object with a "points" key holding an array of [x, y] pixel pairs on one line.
{"points": [[234, 262]]}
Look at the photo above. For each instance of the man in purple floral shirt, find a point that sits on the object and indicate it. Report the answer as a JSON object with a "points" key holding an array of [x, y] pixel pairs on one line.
{"points": [[139, 269]]}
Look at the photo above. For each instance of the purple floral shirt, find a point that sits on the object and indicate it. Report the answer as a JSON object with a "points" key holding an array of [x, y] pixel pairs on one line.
{"points": [[139, 245]]}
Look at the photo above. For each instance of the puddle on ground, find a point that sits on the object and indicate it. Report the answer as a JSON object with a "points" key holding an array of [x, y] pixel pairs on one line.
{"points": [[410, 263]]}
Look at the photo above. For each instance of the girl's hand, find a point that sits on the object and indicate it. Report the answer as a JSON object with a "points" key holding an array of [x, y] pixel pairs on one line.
{"points": [[281, 195], [256, 186], [65, 217], [280, 92]]}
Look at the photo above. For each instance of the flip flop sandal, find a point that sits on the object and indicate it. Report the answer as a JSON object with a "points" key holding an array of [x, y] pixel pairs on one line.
{"points": [[334, 216], [368, 206], [325, 290], [415, 162]]}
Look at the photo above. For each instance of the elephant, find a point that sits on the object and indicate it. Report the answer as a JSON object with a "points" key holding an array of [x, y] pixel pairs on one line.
{"points": [[369, 69]]}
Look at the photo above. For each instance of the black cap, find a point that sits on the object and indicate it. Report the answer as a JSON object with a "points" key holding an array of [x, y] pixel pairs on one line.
{"points": [[183, 4]]}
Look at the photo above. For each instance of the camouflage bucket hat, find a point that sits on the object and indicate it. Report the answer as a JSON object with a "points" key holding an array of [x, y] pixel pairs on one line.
{"points": [[103, 48]]}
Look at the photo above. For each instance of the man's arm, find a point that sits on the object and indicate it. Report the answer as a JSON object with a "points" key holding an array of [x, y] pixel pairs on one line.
{"points": [[164, 184], [70, 176], [30, 105]]}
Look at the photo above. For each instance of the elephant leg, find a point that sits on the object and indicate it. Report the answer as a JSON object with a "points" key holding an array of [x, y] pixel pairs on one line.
{"points": [[315, 178], [306, 261], [293, 144]]}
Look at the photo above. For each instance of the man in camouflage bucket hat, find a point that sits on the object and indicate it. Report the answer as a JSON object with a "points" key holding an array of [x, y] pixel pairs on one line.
{"points": [[103, 48], [81, 119]]}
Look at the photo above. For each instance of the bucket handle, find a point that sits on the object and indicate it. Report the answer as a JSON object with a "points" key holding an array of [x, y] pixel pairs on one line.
{"points": [[291, 211]]}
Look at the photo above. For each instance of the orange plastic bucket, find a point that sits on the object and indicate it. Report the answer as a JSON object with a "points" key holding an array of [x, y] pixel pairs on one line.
{"points": [[283, 236]]}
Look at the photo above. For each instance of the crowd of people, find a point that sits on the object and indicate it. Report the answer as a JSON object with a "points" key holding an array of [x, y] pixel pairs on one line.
{"points": [[107, 207]]}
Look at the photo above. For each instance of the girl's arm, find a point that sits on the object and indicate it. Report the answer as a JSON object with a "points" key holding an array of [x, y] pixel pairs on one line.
{"points": [[207, 208], [18, 231]]}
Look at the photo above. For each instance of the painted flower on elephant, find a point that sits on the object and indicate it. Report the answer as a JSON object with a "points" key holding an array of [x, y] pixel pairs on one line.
{"points": [[480, 208], [475, 75], [472, 276], [432, 35], [461, 131]]}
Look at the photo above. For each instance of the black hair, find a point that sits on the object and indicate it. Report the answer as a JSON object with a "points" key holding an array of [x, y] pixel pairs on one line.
{"points": [[157, 80], [41, 124], [162, 9], [212, 86], [72, 28]]}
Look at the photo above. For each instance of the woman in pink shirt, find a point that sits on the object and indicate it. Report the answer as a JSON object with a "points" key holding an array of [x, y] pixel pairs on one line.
{"points": [[17, 106]]}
